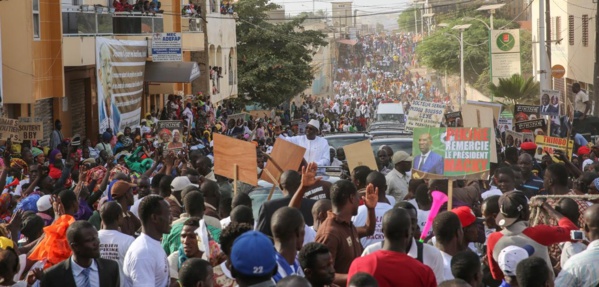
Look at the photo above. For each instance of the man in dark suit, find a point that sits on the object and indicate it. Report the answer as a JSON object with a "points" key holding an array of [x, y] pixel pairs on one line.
{"points": [[84, 268], [428, 160], [290, 182], [546, 107]]}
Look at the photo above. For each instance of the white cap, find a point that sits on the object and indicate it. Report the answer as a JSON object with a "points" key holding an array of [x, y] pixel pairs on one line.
{"points": [[510, 256], [315, 123], [43, 203], [180, 182]]}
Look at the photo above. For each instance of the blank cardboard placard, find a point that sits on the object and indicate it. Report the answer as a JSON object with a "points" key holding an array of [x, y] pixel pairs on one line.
{"points": [[476, 116], [496, 107], [360, 153], [229, 152], [284, 156]]}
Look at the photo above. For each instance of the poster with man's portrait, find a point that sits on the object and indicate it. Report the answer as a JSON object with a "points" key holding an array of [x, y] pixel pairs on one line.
{"points": [[550, 100]]}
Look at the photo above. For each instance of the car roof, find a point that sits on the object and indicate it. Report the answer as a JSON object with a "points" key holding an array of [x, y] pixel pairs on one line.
{"points": [[392, 139], [346, 135]]}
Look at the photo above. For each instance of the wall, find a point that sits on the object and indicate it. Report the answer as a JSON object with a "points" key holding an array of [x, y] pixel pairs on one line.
{"points": [[47, 52], [43, 109], [17, 65]]}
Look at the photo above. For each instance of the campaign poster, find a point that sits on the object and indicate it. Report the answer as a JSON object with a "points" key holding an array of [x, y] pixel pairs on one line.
{"points": [[456, 153], [513, 138], [9, 128], [424, 114], [537, 127], [526, 113], [505, 121], [454, 119], [120, 67], [170, 134], [548, 145], [550, 100]]}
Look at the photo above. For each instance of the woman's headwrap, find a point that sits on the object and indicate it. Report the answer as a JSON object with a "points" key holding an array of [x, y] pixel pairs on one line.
{"points": [[53, 155], [36, 152]]}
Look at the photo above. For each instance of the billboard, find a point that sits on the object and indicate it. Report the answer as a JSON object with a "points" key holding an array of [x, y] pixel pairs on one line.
{"points": [[120, 72]]}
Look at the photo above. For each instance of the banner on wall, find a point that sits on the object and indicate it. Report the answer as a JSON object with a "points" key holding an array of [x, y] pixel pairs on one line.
{"points": [[456, 153], [120, 72]]}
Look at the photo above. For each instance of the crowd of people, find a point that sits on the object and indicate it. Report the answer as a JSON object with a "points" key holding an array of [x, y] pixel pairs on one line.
{"points": [[144, 207]]}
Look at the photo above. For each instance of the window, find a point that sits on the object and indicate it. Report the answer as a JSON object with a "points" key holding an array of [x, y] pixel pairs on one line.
{"points": [[585, 30], [571, 30], [558, 28], [36, 19]]}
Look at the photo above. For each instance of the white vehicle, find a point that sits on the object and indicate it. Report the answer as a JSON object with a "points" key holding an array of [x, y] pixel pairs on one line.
{"points": [[390, 112]]}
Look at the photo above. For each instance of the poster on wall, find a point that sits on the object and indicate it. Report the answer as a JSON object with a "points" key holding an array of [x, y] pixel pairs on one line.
{"points": [[120, 72]]}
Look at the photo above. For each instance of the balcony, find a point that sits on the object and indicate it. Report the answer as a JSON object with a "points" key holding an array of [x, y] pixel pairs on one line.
{"points": [[94, 23], [192, 38]]}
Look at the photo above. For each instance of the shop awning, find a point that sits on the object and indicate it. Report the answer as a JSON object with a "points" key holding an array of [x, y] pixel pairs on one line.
{"points": [[347, 42], [171, 72]]}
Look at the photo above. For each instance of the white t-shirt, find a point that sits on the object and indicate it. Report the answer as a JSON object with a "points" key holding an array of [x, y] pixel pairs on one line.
{"points": [[309, 235], [361, 217], [570, 249], [135, 207], [579, 101], [491, 192], [146, 264], [422, 217], [447, 265], [114, 246]]}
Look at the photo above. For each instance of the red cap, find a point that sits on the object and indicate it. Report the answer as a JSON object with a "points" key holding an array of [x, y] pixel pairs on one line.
{"points": [[583, 150], [528, 146], [465, 214]]}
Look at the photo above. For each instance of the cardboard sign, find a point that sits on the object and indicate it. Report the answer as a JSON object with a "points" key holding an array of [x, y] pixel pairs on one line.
{"points": [[31, 131], [360, 153], [284, 156], [526, 113], [546, 144], [170, 134], [495, 107], [537, 127], [550, 100], [479, 117], [424, 114], [9, 129], [236, 117], [455, 153], [454, 119], [505, 121], [229, 152]]}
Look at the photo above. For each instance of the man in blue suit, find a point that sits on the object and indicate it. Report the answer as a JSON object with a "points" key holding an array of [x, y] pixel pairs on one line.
{"points": [[428, 161]]}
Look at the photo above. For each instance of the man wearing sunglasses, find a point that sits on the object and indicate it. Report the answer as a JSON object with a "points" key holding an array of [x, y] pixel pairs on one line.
{"points": [[317, 148]]}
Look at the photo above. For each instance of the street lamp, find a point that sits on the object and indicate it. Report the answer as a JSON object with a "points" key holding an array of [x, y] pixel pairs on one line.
{"points": [[491, 8], [461, 28]]}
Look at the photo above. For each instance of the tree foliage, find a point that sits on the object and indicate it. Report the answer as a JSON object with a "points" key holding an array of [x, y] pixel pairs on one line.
{"points": [[405, 20], [273, 59], [441, 50], [516, 89]]}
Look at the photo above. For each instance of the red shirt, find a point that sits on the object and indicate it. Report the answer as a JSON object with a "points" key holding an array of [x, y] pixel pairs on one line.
{"points": [[391, 269]]}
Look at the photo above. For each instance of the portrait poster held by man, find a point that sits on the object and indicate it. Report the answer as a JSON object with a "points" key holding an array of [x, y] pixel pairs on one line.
{"points": [[170, 135], [427, 160]]}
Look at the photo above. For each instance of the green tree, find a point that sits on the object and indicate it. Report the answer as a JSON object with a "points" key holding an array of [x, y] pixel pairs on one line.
{"points": [[273, 59], [405, 20], [516, 90]]}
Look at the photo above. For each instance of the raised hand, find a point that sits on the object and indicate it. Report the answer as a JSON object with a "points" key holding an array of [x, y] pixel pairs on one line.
{"points": [[372, 196], [309, 177]]}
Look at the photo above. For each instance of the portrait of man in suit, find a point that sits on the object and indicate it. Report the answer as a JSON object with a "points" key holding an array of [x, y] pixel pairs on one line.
{"points": [[427, 160], [546, 107]]}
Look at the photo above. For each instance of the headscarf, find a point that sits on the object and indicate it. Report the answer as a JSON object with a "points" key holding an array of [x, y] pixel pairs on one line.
{"points": [[36, 152], [29, 203], [106, 136], [53, 155]]}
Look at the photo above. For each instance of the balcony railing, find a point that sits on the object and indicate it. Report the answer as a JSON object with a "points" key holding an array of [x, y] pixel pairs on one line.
{"points": [[92, 23], [191, 24]]}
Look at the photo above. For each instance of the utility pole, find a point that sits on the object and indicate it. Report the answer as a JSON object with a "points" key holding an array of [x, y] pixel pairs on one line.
{"points": [[415, 21], [204, 13], [543, 69], [596, 75], [548, 40]]}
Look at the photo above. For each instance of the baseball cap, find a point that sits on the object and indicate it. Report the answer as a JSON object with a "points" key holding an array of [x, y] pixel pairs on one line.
{"points": [[466, 215], [510, 256], [180, 182], [400, 156], [510, 205], [43, 204], [120, 187], [253, 254]]}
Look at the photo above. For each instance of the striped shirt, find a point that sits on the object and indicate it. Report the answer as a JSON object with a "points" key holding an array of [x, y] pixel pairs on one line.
{"points": [[284, 269], [582, 269]]}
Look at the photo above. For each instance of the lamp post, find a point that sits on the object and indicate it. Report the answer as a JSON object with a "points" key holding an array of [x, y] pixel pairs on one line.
{"points": [[461, 28]]}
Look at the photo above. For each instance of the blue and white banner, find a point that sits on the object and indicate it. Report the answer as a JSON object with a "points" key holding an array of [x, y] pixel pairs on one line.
{"points": [[166, 47]]}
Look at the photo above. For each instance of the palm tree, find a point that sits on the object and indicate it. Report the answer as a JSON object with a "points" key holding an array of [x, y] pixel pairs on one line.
{"points": [[516, 90]]}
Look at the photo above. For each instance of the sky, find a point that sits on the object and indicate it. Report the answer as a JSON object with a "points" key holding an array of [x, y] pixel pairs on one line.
{"points": [[294, 7]]}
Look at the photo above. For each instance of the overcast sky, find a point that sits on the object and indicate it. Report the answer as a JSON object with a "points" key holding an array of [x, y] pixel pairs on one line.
{"points": [[294, 7]]}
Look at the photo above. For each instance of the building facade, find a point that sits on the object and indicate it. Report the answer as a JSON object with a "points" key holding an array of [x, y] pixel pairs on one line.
{"points": [[49, 57]]}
